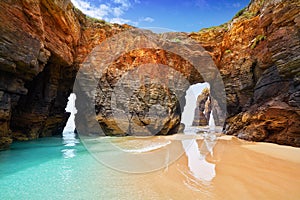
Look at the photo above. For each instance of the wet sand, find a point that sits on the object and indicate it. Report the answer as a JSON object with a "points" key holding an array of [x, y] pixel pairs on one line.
{"points": [[204, 168], [235, 169], [277, 151]]}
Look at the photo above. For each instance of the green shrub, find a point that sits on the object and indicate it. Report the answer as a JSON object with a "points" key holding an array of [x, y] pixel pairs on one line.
{"points": [[239, 13], [96, 20], [175, 40], [228, 51], [257, 40]]}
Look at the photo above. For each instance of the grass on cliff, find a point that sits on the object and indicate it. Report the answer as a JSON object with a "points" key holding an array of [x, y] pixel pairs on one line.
{"points": [[91, 19], [222, 26], [95, 20], [240, 13], [246, 13], [227, 51], [257, 40]]}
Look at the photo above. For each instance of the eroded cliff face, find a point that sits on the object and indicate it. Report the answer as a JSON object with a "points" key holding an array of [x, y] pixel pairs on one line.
{"points": [[203, 109], [142, 91], [44, 42], [258, 56]]}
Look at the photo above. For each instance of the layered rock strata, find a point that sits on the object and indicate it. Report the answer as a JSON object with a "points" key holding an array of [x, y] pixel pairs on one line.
{"points": [[44, 42], [203, 109], [258, 56]]}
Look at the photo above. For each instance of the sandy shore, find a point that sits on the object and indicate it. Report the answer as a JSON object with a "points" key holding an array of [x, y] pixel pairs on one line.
{"points": [[234, 169], [198, 167], [285, 153]]}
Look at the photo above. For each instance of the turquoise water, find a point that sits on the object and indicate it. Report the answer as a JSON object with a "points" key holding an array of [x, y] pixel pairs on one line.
{"points": [[49, 169], [61, 168]]}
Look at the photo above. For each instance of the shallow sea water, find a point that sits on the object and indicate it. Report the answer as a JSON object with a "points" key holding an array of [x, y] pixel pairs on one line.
{"points": [[226, 168]]}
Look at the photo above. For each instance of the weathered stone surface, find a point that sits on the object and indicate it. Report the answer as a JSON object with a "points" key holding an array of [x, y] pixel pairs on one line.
{"points": [[258, 57], [270, 85], [274, 121], [43, 43], [203, 109], [152, 96]]}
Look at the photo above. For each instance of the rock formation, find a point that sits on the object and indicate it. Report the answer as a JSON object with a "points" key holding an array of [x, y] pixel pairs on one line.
{"points": [[142, 92], [203, 109], [258, 56], [44, 42]]}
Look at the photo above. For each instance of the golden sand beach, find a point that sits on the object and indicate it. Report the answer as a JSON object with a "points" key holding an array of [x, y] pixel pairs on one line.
{"points": [[227, 168]]}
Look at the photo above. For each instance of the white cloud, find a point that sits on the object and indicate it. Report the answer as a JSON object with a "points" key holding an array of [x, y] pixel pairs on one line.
{"points": [[124, 3], [117, 11], [146, 19], [90, 10], [119, 20], [110, 11], [236, 5], [201, 3]]}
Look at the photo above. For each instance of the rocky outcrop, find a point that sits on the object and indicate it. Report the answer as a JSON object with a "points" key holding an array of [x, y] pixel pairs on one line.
{"points": [[258, 57], [143, 91], [41, 44], [203, 109]]}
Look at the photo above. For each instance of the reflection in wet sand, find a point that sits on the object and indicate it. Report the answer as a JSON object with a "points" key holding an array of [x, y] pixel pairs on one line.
{"points": [[229, 171], [209, 168], [202, 166], [199, 167], [197, 163]]}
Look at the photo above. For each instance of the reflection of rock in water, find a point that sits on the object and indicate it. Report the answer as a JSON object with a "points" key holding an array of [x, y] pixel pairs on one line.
{"points": [[199, 167], [211, 123], [69, 135]]}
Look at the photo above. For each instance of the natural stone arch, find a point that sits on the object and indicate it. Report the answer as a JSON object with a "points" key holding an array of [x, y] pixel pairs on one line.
{"points": [[134, 49]]}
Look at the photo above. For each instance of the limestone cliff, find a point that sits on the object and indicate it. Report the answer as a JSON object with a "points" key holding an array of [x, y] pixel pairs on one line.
{"points": [[43, 43], [258, 54], [141, 92]]}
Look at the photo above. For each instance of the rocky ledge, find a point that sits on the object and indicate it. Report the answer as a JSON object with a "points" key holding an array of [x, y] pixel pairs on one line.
{"points": [[44, 42], [258, 54]]}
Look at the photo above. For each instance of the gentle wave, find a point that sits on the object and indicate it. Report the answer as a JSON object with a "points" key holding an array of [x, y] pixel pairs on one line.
{"points": [[142, 146]]}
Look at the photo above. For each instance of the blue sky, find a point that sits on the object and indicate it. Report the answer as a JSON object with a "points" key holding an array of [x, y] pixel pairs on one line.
{"points": [[178, 15]]}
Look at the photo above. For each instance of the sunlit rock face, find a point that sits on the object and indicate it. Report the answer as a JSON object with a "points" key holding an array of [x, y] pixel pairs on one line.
{"points": [[207, 106], [44, 42], [156, 104], [143, 91], [151, 108], [203, 109], [258, 56]]}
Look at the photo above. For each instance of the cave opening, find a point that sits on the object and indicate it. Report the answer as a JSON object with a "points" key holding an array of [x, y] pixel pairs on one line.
{"points": [[197, 110], [69, 129]]}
